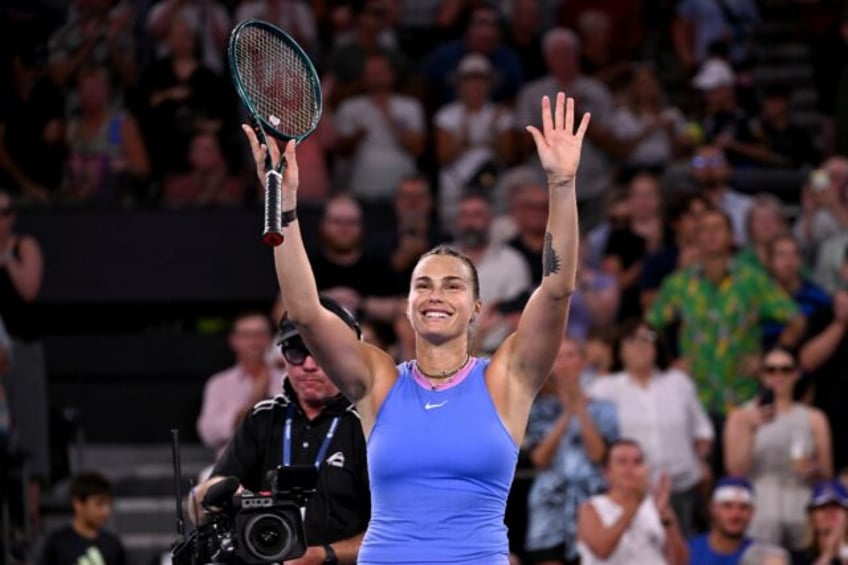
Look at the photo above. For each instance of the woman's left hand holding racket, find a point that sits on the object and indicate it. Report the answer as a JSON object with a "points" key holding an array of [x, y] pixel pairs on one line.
{"points": [[288, 187]]}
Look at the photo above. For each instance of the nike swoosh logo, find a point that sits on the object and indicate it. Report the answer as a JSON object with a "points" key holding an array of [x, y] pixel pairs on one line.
{"points": [[429, 406]]}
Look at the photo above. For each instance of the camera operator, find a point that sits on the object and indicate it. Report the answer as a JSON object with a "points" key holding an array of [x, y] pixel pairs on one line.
{"points": [[310, 423]]}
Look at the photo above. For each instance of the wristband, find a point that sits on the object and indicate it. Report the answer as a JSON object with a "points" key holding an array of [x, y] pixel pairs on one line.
{"points": [[288, 216], [331, 554]]}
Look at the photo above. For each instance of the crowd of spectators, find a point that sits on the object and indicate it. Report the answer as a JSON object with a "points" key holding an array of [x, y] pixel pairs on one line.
{"points": [[709, 328], [124, 103]]}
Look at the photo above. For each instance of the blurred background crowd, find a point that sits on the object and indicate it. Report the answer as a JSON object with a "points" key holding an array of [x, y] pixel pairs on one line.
{"points": [[710, 321]]}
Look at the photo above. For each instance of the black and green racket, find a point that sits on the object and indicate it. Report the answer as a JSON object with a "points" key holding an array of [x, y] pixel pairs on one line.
{"points": [[281, 92]]}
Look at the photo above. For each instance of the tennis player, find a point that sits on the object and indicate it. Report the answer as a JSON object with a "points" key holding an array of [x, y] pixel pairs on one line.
{"points": [[443, 430]]}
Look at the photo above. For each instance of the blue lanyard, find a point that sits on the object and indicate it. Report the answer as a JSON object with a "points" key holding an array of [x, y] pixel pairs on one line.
{"points": [[287, 439]]}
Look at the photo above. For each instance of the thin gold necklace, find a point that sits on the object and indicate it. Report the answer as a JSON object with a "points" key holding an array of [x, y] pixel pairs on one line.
{"points": [[441, 375]]}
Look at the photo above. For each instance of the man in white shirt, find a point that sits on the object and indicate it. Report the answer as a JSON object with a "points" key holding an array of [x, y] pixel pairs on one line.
{"points": [[230, 394], [659, 408], [561, 48], [381, 132], [503, 272]]}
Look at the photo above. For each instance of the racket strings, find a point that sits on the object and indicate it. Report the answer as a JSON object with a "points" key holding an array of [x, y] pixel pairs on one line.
{"points": [[277, 82]]}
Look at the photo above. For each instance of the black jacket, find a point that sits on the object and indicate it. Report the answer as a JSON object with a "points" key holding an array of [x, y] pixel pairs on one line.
{"points": [[341, 505]]}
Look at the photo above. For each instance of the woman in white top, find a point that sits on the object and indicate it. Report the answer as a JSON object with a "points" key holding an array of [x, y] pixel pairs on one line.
{"points": [[629, 524], [660, 409], [782, 447]]}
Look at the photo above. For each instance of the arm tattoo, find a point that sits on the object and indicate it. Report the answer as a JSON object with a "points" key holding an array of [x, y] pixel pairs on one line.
{"points": [[550, 259]]}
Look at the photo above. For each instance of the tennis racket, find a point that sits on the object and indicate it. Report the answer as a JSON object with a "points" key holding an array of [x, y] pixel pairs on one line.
{"points": [[280, 90]]}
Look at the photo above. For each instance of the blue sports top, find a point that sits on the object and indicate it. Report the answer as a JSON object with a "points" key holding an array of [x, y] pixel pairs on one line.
{"points": [[440, 463]]}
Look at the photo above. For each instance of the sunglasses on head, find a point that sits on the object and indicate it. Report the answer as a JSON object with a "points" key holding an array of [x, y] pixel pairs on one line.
{"points": [[701, 162], [294, 351], [642, 336], [782, 369]]}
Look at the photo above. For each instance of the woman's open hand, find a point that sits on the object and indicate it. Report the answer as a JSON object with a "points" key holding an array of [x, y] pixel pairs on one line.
{"points": [[557, 144]]}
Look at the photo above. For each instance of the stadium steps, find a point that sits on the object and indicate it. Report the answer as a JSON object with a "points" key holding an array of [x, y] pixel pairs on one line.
{"points": [[144, 512], [781, 57]]}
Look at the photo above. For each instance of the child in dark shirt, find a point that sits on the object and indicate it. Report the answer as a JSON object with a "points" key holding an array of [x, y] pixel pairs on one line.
{"points": [[84, 541]]}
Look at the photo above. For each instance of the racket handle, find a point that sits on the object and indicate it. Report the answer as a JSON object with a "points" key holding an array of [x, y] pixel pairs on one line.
{"points": [[273, 234]]}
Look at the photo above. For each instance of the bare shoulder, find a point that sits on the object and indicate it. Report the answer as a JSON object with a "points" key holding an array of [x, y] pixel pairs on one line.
{"points": [[506, 369], [586, 507], [384, 371], [382, 364], [28, 243], [384, 375], [586, 513], [818, 418], [129, 124], [501, 362]]}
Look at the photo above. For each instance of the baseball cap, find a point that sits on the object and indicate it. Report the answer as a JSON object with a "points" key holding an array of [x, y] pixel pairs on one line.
{"points": [[474, 64], [288, 330], [828, 492], [733, 489], [713, 74]]}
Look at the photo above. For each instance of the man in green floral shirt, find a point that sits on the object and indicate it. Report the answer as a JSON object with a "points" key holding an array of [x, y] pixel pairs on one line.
{"points": [[720, 305]]}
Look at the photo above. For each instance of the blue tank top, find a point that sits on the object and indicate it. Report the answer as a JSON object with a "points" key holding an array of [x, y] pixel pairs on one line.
{"points": [[440, 464]]}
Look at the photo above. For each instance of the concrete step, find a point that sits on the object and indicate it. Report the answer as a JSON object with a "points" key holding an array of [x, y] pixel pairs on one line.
{"points": [[809, 120], [144, 510], [117, 461], [805, 100], [788, 52], [774, 32], [784, 183], [787, 74], [145, 516]]}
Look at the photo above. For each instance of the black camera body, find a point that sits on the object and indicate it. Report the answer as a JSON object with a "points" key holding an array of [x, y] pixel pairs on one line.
{"points": [[267, 531], [252, 528]]}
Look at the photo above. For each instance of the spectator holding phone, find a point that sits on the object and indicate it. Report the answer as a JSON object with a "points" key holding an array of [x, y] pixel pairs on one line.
{"points": [[824, 207], [781, 446]]}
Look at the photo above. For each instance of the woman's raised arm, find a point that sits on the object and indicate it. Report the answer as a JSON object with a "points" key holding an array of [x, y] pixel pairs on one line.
{"points": [[533, 347], [351, 364]]}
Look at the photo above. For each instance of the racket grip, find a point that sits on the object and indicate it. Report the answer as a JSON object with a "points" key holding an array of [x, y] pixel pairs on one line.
{"points": [[273, 234]]}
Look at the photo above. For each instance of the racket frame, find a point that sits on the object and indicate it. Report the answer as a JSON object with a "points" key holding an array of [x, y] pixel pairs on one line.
{"points": [[272, 234]]}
